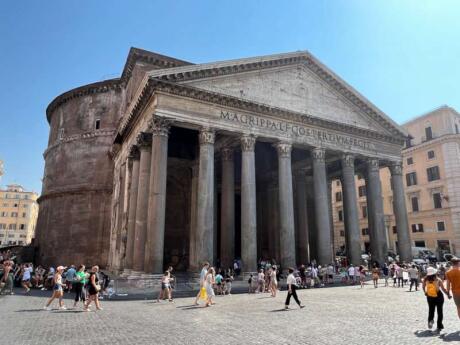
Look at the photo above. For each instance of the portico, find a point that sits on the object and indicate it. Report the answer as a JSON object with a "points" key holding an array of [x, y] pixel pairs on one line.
{"points": [[234, 160]]}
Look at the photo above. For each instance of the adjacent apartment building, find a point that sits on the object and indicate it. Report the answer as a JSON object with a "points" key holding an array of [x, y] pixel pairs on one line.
{"points": [[431, 169], [18, 215]]}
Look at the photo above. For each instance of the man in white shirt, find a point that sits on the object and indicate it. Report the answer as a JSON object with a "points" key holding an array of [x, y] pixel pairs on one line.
{"points": [[351, 274], [203, 273], [292, 287], [413, 276]]}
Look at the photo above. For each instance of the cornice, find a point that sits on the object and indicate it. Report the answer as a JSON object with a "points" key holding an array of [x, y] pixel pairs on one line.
{"points": [[161, 61], [156, 85], [98, 87], [74, 191], [82, 136], [433, 142]]}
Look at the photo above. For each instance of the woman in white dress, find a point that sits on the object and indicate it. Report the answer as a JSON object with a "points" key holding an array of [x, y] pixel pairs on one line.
{"points": [[209, 282]]}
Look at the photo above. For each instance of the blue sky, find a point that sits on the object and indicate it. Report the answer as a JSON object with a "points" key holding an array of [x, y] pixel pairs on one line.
{"points": [[402, 55]]}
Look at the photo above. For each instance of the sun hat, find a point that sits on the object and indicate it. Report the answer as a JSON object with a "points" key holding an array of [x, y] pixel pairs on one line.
{"points": [[431, 271], [60, 268]]}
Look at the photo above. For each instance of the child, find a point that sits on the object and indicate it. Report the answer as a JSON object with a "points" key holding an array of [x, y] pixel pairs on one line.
{"points": [[165, 287], [219, 279], [433, 288]]}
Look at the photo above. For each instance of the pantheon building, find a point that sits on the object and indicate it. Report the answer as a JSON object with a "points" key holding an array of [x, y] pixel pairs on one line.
{"points": [[179, 163]]}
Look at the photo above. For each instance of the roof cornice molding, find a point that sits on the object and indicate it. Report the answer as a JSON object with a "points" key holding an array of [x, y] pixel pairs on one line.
{"points": [[426, 144], [161, 61], [182, 90], [98, 87], [188, 73]]}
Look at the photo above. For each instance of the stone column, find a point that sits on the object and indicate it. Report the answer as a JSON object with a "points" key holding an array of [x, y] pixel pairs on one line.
{"points": [[194, 265], [144, 142], [323, 224], [205, 198], [400, 212], [378, 244], [227, 209], [312, 229], [353, 236], [302, 230], [248, 204], [286, 206], [331, 216], [134, 159], [157, 196], [273, 218]]}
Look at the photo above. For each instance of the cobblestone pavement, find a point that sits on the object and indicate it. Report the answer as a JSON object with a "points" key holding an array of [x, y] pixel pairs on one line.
{"points": [[332, 316]]}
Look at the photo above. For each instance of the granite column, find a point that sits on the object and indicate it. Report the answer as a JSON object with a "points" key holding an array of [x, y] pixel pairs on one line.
{"points": [[286, 206], [227, 209], [400, 212], [323, 224], [144, 142]]}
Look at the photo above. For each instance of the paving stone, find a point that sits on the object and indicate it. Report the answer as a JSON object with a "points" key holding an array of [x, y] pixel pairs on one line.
{"points": [[334, 315]]}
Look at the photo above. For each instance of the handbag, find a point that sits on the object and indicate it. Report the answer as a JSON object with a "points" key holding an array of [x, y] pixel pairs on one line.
{"points": [[98, 287], [203, 294]]}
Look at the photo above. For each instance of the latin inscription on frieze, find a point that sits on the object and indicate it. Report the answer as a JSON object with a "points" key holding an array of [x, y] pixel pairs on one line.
{"points": [[295, 130]]}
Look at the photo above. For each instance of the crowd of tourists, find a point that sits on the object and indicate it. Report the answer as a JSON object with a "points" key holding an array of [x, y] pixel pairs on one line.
{"points": [[85, 284], [89, 285]]}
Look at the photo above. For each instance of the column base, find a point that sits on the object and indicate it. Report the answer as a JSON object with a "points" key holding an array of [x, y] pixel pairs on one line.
{"points": [[135, 274], [126, 272]]}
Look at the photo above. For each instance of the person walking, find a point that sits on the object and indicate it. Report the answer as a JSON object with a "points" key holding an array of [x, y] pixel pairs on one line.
{"points": [[292, 289], [79, 285], [261, 281], [362, 275], [413, 276], [351, 274], [453, 282], [209, 282], [26, 275], [70, 277], [93, 289], [273, 281], [58, 291], [6, 282], [165, 287], [375, 275], [203, 273], [433, 288]]}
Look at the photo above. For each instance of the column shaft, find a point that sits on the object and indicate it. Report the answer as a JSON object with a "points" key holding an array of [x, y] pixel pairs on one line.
{"points": [[400, 212], [157, 196], [205, 198], [378, 244], [248, 205], [140, 233], [302, 230], [323, 224], [353, 236], [193, 261], [286, 206], [227, 210], [134, 182]]}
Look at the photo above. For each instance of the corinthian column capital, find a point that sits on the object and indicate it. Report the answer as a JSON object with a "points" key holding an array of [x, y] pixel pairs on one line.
{"points": [[159, 126], [207, 136], [348, 160], [144, 140], [227, 154], [134, 153], [248, 142], [318, 154], [373, 164], [396, 168], [284, 149]]}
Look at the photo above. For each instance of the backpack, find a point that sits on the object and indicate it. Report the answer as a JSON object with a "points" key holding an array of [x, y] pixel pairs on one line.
{"points": [[431, 289]]}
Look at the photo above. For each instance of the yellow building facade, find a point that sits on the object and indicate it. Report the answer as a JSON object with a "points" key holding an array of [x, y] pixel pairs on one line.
{"points": [[18, 215], [431, 171]]}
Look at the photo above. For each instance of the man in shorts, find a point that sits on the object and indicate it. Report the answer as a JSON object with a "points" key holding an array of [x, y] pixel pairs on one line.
{"points": [[203, 273], [453, 282]]}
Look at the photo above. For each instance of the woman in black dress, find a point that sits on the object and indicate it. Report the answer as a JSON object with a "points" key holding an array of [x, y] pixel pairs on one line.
{"points": [[93, 289]]}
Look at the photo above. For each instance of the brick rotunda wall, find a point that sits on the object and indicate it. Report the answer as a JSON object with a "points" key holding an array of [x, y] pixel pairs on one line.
{"points": [[74, 216]]}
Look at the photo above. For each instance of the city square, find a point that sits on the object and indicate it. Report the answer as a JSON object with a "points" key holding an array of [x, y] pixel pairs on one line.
{"points": [[230, 172], [331, 316]]}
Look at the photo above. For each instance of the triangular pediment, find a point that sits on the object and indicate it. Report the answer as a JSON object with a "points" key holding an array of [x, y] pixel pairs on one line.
{"points": [[294, 88], [297, 82]]}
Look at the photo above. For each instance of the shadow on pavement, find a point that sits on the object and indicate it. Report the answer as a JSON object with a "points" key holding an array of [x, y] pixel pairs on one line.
{"points": [[451, 336], [425, 334], [277, 310]]}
